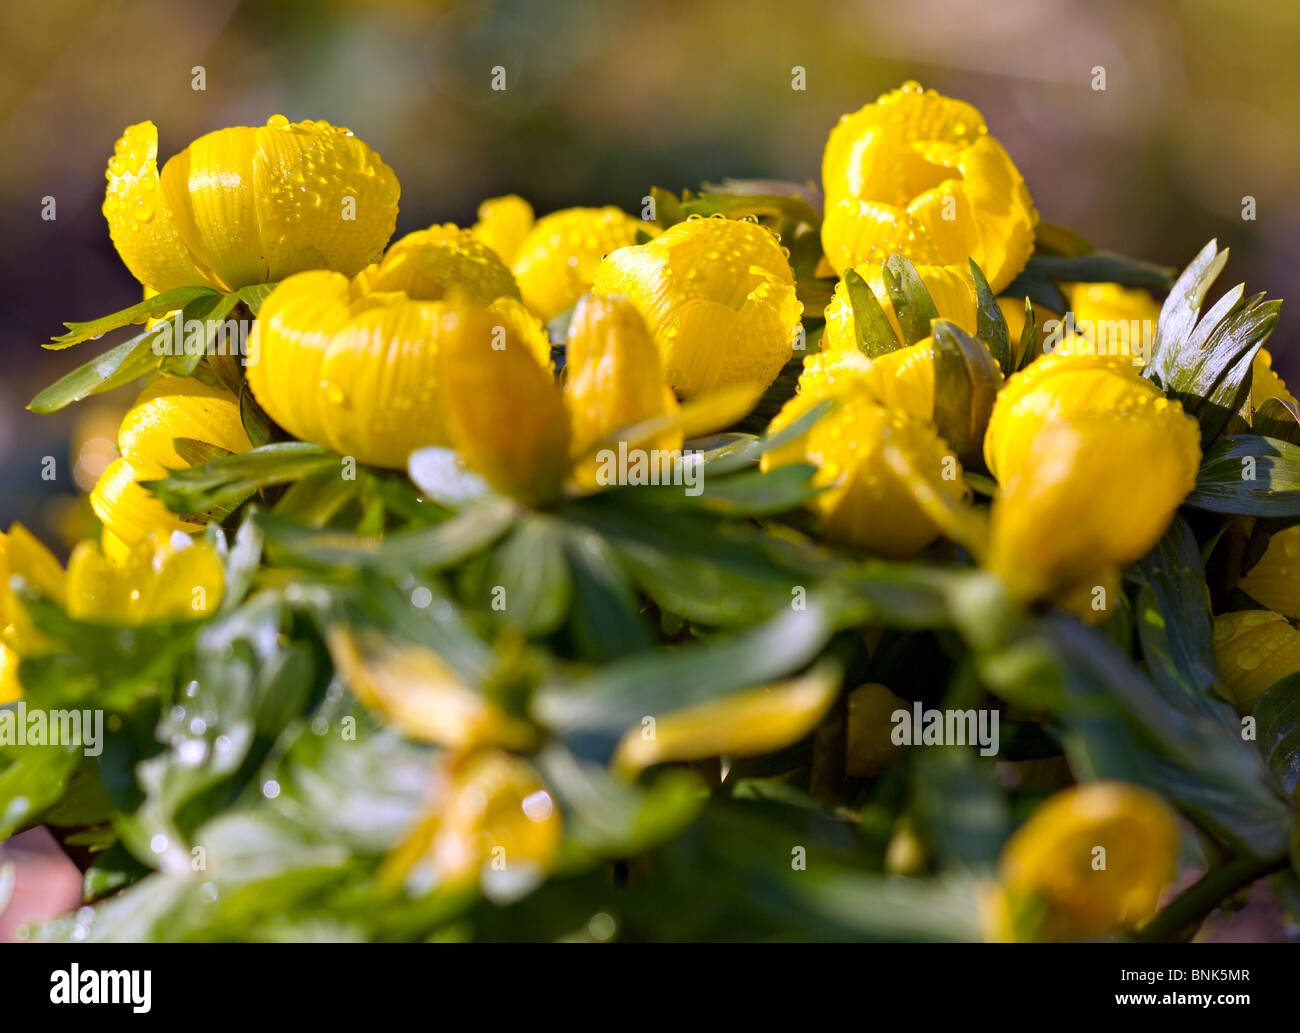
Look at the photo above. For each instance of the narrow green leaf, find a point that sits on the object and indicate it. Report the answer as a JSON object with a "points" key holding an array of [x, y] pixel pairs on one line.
{"points": [[1027, 347], [606, 623], [912, 302], [119, 365], [874, 334], [990, 323], [1277, 716], [1101, 267], [966, 381], [159, 304]]}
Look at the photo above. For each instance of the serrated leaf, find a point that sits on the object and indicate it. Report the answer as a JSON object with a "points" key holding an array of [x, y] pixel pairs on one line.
{"points": [[159, 304], [119, 365], [232, 478]]}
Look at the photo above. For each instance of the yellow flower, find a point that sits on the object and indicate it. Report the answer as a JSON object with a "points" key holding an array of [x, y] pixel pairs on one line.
{"points": [[556, 261], [1090, 861], [871, 747], [1265, 383], [163, 578], [917, 174], [1275, 579], [503, 223], [1092, 461], [718, 297], [491, 818], [248, 205], [1114, 320], [352, 364], [951, 290], [865, 502], [1254, 649], [420, 694], [613, 379], [168, 408], [23, 555]]}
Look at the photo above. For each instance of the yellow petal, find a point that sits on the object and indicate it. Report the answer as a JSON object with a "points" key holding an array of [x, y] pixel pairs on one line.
{"points": [[1115, 320], [140, 224], [426, 264], [1254, 649], [10, 689], [740, 725], [613, 378], [1265, 383], [420, 694], [871, 747], [163, 578], [129, 511], [503, 223], [1275, 580], [1052, 860], [254, 205], [867, 503], [718, 297], [556, 261], [490, 818], [25, 556], [501, 408], [1093, 491], [179, 407]]}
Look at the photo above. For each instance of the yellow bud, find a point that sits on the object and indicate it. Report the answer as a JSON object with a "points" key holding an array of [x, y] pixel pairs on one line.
{"points": [[718, 298], [871, 747], [248, 205], [129, 512], [917, 174], [865, 502], [351, 365], [1092, 461], [503, 223], [1114, 320], [556, 261], [1090, 861], [163, 578], [1254, 649], [612, 379], [491, 814]]}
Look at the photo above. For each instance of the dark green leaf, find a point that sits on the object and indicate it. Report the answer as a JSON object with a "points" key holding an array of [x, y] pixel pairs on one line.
{"points": [[966, 381], [870, 324], [1100, 267], [168, 301], [912, 302], [990, 323], [1249, 475], [1277, 716]]}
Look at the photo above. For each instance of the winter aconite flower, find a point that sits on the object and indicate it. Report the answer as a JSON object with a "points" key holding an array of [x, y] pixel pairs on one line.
{"points": [[556, 261], [1092, 461], [917, 174], [167, 409], [951, 289], [1254, 649], [867, 502], [22, 555], [350, 364], [248, 205], [503, 223], [1089, 862], [718, 297]]}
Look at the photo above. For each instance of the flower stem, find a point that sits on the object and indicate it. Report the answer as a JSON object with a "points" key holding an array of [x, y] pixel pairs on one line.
{"points": [[1191, 906]]}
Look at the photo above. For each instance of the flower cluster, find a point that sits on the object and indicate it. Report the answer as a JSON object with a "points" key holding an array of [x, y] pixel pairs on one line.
{"points": [[932, 430]]}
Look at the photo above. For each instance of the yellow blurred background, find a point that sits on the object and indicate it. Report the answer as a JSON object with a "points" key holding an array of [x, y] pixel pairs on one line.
{"points": [[1200, 111]]}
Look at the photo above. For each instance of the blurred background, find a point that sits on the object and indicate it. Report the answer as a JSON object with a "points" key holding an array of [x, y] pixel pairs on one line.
{"points": [[603, 99]]}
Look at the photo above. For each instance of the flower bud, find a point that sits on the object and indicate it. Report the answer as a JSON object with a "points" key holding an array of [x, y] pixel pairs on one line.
{"points": [[556, 261], [719, 300], [248, 205], [1090, 861], [503, 223], [917, 174]]}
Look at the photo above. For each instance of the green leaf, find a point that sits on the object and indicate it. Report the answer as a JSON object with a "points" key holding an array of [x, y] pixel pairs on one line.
{"points": [[1205, 362], [966, 381], [531, 567], [805, 192], [870, 324], [184, 354], [232, 478], [1101, 267], [1277, 716], [1277, 418], [1028, 344], [912, 303], [1249, 475], [621, 693], [962, 807], [605, 623], [119, 365], [432, 548], [160, 304], [34, 780], [990, 323], [668, 207], [254, 294]]}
